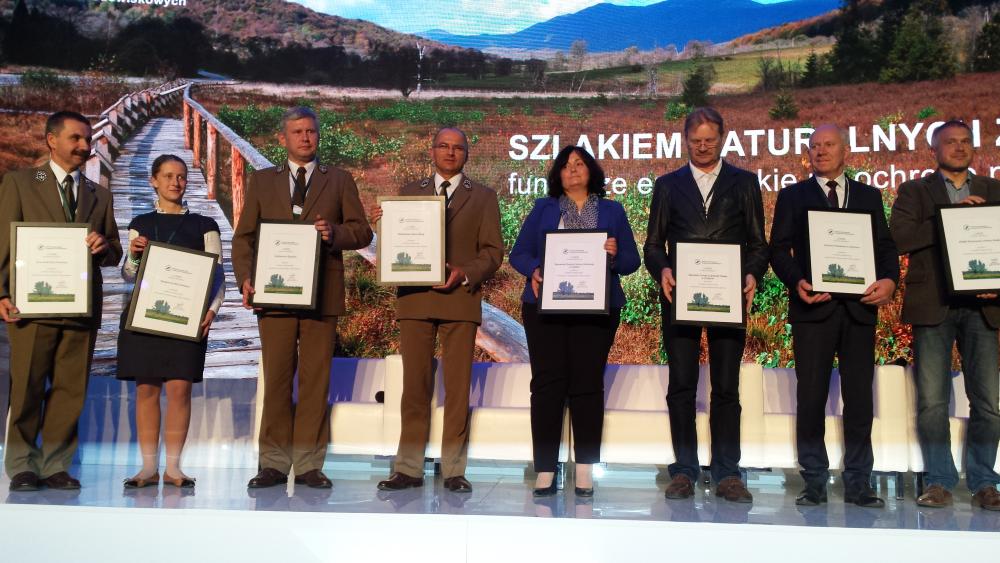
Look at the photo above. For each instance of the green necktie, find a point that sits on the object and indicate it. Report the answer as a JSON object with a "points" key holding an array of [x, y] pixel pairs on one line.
{"points": [[68, 201]]}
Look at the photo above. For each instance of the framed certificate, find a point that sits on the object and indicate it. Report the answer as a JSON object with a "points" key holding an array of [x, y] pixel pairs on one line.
{"points": [[575, 272], [709, 290], [172, 291], [286, 265], [410, 244], [51, 269], [841, 251], [970, 244]]}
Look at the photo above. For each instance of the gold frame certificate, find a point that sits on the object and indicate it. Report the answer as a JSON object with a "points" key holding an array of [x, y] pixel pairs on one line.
{"points": [[841, 251], [575, 272], [709, 290], [411, 241], [286, 265], [50, 272], [172, 291], [970, 247]]}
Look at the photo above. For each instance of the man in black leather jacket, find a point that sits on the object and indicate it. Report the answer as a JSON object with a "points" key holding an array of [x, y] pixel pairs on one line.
{"points": [[707, 199]]}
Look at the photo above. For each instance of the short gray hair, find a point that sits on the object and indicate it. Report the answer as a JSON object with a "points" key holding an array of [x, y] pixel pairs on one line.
{"points": [[839, 130], [297, 113]]}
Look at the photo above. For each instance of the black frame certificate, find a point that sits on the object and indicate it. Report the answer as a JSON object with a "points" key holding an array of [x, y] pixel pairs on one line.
{"points": [[286, 265], [841, 251], [709, 289], [575, 272], [51, 269], [970, 247], [411, 241], [172, 291]]}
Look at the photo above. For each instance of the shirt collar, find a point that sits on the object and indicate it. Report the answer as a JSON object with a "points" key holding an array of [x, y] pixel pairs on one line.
{"points": [[453, 182], [309, 166], [699, 173], [841, 181], [184, 208], [61, 174], [949, 183]]}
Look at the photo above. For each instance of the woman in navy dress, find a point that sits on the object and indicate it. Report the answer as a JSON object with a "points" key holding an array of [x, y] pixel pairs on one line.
{"points": [[155, 362], [569, 352]]}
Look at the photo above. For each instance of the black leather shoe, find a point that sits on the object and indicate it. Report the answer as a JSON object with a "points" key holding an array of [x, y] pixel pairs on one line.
{"points": [[585, 492], [549, 491], [314, 479], [864, 497], [811, 496], [25, 481], [399, 481], [266, 478], [458, 484], [61, 481]]}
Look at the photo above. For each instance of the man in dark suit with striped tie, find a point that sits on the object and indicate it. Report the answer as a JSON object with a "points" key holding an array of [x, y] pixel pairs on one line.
{"points": [[823, 326]]}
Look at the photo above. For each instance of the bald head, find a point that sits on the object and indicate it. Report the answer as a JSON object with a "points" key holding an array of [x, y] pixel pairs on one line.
{"points": [[449, 151], [828, 149]]}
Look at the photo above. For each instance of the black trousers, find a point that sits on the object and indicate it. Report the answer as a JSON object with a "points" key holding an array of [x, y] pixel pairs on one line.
{"points": [[568, 357], [725, 351], [815, 344]]}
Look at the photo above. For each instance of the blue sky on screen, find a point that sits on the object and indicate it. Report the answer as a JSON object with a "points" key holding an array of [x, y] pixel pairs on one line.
{"points": [[464, 17]]}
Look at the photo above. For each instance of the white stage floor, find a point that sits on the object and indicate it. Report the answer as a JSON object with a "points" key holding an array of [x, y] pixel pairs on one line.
{"points": [[628, 520]]}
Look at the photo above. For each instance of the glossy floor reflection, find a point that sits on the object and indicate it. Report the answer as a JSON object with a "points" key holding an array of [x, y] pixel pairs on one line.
{"points": [[620, 498]]}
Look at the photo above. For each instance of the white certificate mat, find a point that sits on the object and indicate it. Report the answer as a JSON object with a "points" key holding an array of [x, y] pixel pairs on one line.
{"points": [[51, 269], [841, 251], [575, 272], [971, 247], [709, 288], [411, 237], [171, 291], [286, 267]]}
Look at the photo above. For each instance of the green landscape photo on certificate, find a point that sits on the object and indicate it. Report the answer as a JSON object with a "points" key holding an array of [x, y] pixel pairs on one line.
{"points": [[701, 302], [567, 292], [277, 285], [43, 294], [404, 263], [835, 274], [978, 271], [161, 312]]}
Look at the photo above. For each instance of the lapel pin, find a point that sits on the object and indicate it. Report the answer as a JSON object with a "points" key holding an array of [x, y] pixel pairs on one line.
{"points": [[41, 176]]}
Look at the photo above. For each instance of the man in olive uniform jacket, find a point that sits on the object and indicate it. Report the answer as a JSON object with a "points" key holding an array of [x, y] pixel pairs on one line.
{"points": [[306, 191], [474, 252], [56, 351]]}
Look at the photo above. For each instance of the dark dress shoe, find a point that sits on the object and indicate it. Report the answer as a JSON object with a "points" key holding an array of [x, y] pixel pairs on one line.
{"points": [[733, 490], [142, 483], [987, 498], [864, 497], [680, 487], [61, 481], [25, 481], [811, 496], [585, 492], [314, 479], [458, 484], [267, 477], [549, 491], [179, 482], [399, 481]]}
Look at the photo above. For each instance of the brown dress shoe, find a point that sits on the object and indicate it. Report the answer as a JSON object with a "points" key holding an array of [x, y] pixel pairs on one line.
{"points": [[733, 490], [61, 481], [24, 481], [680, 487], [987, 498], [935, 496], [267, 477], [313, 479], [458, 484], [399, 481]]}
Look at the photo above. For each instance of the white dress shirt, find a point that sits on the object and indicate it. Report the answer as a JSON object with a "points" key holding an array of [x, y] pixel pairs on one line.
{"points": [[841, 188], [61, 176], [706, 180], [293, 169], [453, 183]]}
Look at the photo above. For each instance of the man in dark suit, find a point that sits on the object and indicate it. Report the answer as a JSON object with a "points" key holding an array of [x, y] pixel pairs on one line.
{"points": [[940, 319], [473, 253], [303, 190], [56, 352], [706, 199], [823, 326]]}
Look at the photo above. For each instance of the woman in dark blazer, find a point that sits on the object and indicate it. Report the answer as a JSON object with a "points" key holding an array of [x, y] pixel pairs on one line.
{"points": [[569, 352]]}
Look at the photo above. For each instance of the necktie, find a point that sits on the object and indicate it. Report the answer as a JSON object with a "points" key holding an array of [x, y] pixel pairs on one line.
{"points": [[831, 195], [299, 193], [443, 190], [69, 202]]}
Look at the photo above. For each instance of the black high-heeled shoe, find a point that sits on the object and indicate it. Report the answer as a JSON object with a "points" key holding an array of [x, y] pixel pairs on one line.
{"points": [[585, 492], [545, 491]]}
